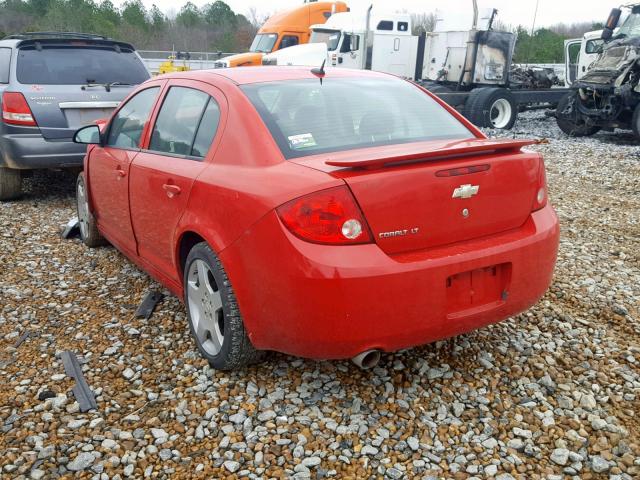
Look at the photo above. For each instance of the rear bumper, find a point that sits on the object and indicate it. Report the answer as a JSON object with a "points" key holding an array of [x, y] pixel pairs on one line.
{"points": [[31, 151], [335, 302]]}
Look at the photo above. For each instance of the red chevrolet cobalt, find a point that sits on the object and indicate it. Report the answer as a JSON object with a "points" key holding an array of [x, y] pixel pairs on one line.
{"points": [[323, 215]]}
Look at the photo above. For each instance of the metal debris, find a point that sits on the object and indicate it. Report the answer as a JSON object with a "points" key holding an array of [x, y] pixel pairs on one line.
{"points": [[149, 302], [81, 390], [72, 229], [21, 340]]}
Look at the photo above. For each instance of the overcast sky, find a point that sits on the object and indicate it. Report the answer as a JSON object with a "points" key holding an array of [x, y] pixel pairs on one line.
{"points": [[512, 12]]}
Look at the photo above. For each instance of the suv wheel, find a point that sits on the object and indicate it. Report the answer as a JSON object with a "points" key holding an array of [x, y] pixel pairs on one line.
{"points": [[10, 183]]}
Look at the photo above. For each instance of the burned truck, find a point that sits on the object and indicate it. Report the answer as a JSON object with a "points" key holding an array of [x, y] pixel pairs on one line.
{"points": [[608, 95]]}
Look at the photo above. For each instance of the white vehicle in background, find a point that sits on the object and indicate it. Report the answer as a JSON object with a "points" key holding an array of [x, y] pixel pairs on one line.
{"points": [[390, 48], [580, 53], [469, 69]]}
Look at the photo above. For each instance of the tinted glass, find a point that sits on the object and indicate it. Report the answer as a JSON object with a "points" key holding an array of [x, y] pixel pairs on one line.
{"points": [[385, 25], [330, 37], [126, 127], [207, 130], [178, 121], [403, 26], [5, 60], [263, 42], [307, 118], [72, 65], [289, 41]]}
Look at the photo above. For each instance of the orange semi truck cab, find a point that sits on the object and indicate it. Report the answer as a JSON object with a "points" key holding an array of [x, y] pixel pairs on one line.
{"points": [[285, 29]]}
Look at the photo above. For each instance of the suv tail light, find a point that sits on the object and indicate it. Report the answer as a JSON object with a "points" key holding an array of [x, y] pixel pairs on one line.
{"points": [[541, 191], [330, 217], [15, 110]]}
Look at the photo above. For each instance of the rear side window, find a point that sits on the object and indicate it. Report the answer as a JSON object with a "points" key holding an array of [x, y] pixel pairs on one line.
{"points": [[403, 26], [5, 62], [178, 121], [127, 125], [74, 65], [306, 117], [207, 130]]}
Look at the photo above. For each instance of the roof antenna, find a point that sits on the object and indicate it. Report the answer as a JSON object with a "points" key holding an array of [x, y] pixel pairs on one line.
{"points": [[320, 72]]}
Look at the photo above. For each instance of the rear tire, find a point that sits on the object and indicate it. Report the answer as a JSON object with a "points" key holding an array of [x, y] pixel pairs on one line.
{"points": [[212, 310], [570, 122], [10, 184], [89, 232], [491, 107]]}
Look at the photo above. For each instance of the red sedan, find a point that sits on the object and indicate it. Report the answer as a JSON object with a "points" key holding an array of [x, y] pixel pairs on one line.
{"points": [[326, 219]]}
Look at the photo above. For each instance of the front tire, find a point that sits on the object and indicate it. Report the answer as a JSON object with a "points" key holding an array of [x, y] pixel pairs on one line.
{"points": [[569, 120], [89, 233], [10, 184], [212, 310]]}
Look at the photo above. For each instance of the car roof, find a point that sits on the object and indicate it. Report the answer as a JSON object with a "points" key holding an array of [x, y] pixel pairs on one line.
{"points": [[247, 75]]}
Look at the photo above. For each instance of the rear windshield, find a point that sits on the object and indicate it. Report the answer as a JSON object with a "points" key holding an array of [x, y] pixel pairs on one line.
{"points": [[307, 118], [73, 65]]}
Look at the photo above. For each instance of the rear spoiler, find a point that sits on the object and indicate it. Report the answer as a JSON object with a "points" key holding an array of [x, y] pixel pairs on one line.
{"points": [[399, 154]]}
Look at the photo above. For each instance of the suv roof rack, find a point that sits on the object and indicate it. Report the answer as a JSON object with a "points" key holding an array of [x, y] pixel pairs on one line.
{"points": [[43, 35]]}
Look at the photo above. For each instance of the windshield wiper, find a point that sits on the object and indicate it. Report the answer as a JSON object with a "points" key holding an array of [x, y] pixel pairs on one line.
{"points": [[107, 86]]}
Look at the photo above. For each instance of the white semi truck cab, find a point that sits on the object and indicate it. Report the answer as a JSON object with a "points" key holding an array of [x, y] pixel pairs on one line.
{"points": [[382, 43]]}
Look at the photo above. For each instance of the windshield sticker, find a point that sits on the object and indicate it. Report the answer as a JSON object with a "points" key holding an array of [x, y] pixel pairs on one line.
{"points": [[304, 140]]}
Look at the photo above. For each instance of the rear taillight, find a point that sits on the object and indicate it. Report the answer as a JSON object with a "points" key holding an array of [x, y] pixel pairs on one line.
{"points": [[540, 201], [329, 217], [15, 110]]}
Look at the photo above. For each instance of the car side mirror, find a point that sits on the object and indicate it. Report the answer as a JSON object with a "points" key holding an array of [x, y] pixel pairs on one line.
{"points": [[89, 135], [355, 43]]}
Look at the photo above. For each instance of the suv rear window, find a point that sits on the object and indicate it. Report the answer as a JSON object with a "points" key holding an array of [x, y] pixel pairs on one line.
{"points": [[306, 117], [74, 65], [5, 61]]}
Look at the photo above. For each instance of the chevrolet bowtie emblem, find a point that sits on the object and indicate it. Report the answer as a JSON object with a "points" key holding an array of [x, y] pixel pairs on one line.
{"points": [[465, 191]]}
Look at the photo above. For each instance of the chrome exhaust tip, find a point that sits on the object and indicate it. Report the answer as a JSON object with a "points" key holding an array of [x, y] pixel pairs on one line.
{"points": [[368, 359]]}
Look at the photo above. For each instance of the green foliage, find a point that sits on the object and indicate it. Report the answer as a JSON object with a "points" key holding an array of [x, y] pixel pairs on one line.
{"points": [[544, 46], [214, 27]]}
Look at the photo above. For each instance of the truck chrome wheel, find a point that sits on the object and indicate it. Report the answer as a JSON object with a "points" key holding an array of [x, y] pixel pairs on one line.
{"points": [[204, 301], [501, 112]]}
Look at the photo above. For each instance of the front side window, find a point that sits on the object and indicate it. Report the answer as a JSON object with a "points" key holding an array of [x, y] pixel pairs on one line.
{"points": [[307, 118], [5, 62], [127, 125], [330, 37], [75, 65], [264, 42], [178, 121], [289, 41]]}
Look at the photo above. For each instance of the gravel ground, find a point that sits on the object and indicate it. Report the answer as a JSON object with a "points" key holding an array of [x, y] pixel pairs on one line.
{"points": [[552, 393]]}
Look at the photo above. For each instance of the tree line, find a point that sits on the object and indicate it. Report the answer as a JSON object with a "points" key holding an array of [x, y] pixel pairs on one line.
{"points": [[213, 27], [216, 27]]}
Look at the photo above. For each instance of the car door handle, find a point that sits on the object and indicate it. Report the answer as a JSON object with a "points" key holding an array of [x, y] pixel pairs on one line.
{"points": [[120, 173], [172, 190]]}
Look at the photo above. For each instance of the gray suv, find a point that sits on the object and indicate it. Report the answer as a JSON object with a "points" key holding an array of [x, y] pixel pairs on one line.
{"points": [[50, 85]]}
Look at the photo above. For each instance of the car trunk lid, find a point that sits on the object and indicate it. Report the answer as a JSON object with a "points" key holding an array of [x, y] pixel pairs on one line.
{"points": [[429, 194]]}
